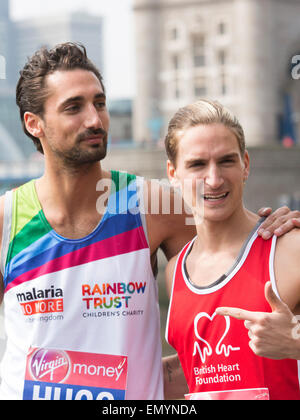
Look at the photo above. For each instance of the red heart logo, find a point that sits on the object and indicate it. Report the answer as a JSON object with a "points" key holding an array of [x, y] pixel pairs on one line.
{"points": [[206, 349]]}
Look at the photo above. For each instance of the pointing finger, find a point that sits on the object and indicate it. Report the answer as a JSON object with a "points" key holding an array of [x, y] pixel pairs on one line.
{"points": [[238, 313]]}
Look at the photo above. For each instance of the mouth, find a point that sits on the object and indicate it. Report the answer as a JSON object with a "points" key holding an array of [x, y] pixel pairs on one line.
{"points": [[215, 197], [93, 136], [93, 139]]}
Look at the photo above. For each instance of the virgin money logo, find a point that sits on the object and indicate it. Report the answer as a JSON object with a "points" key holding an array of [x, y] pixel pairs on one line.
{"points": [[49, 365], [205, 347]]}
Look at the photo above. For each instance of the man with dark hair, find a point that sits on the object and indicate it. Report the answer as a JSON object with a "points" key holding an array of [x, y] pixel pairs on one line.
{"points": [[78, 253], [32, 90]]}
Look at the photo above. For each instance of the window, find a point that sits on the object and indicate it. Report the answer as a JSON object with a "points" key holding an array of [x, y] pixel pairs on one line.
{"points": [[198, 48], [200, 89], [222, 28], [174, 34], [222, 57], [224, 85], [176, 89], [175, 62]]}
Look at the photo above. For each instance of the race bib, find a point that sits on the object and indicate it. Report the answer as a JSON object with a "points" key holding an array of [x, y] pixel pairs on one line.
{"points": [[236, 394], [70, 375]]}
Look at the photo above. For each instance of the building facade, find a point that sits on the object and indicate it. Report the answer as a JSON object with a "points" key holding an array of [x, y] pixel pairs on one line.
{"points": [[18, 41], [51, 30], [236, 51]]}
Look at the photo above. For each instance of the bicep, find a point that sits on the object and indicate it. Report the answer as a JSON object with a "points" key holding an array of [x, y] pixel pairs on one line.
{"points": [[167, 227], [178, 236], [169, 274], [287, 269]]}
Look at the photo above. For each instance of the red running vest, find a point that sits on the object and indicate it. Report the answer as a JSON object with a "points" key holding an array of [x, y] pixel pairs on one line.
{"points": [[214, 350]]}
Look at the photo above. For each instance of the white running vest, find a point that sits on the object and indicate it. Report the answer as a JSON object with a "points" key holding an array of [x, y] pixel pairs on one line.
{"points": [[81, 316]]}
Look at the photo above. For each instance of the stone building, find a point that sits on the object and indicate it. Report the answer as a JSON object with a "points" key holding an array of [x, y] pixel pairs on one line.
{"points": [[236, 51]]}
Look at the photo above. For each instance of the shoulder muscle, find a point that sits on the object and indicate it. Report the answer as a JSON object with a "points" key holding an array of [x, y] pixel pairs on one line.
{"points": [[167, 222], [170, 268], [287, 268]]}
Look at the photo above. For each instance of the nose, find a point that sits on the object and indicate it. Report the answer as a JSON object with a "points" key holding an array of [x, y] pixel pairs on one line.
{"points": [[93, 119], [214, 178]]}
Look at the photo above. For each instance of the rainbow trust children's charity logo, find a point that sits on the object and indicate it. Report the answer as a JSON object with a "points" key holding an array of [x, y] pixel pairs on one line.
{"points": [[111, 296], [69, 375]]}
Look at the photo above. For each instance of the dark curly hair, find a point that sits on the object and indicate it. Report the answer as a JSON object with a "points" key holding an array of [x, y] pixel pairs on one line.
{"points": [[31, 91]]}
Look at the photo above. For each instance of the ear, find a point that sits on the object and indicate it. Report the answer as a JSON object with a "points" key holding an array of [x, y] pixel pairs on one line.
{"points": [[171, 172], [33, 124], [246, 165]]}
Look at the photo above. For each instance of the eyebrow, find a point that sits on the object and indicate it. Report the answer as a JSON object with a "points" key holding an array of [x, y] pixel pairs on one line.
{"points": [[79, 99], [229, 156], [192, 161]]}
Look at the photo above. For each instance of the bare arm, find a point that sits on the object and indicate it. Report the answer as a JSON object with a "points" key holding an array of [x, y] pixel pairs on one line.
{"points": [[168, 224], [175, 385]]}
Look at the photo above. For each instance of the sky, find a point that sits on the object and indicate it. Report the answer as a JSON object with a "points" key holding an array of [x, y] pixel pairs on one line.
{"points": [[118, 35]]}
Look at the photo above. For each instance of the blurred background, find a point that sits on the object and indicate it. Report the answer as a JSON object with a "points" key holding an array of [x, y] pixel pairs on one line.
{"points": [[158, 55]]}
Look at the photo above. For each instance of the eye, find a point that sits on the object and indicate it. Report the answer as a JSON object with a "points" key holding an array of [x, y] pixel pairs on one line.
{"points": [[100, 105], [197, 164], [72, 108], [228, 161]]}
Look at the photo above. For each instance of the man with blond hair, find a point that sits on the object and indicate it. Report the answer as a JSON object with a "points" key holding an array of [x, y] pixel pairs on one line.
{"points": [[228, 266]]}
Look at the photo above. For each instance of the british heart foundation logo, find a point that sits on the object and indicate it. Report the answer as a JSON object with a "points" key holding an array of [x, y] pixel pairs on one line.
{"points": [[71, 375], [204, 348]]}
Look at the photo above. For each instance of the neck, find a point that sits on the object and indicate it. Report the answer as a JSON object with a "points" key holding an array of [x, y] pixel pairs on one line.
{"points": [[217, 236], [70, 191]]}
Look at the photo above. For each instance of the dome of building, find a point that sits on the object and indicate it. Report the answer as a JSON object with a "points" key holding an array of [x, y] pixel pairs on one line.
{"points": [[9, 150]]}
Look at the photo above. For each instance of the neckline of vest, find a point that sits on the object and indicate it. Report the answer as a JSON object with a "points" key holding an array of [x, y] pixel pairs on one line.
{"points": [[56, 234], [227, 276]]}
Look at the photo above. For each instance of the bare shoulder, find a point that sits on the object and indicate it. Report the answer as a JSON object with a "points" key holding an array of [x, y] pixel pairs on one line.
{"points": [[169, 225], [289, 243], [287, 268], [170, 268]]}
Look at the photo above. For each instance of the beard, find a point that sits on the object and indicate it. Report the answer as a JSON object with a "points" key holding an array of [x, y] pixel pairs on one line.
{"points": [[78, 156]]}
